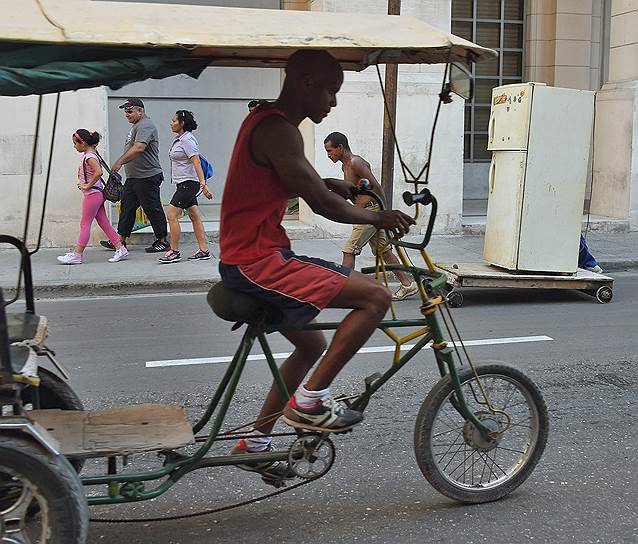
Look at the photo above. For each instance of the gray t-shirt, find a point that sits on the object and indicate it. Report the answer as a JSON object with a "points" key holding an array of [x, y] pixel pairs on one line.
{"points": [[146, 164]]}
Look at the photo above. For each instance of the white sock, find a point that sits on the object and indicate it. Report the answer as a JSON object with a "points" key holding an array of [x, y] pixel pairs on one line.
{"points": [[258, 441], [308, 399]]}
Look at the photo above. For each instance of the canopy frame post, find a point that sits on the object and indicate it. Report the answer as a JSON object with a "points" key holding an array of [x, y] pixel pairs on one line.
{"points": [[389, 119]]}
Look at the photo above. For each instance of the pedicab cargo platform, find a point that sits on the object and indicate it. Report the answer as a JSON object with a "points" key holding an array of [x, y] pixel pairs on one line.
{"points": [[485, 275], [123, 430]]}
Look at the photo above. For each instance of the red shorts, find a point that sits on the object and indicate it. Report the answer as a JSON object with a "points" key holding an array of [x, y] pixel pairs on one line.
{"points": [[296, 286]]}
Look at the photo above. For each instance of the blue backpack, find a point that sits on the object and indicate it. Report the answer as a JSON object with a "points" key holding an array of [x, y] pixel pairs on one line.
{"points": [[207, 167]]}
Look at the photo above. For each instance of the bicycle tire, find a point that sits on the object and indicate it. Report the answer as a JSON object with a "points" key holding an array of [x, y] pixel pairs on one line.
{"points": [[29, 474], [428, 436]]}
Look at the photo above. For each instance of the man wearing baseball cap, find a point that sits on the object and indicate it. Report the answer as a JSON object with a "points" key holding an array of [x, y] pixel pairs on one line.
{"points": [[143, 177]]}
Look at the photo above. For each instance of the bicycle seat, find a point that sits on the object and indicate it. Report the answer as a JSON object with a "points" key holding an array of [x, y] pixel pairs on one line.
{"points": [[239, 307]]}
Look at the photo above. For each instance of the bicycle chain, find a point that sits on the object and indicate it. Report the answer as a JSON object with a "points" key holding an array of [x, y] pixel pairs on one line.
{"points": [[206, 512]]}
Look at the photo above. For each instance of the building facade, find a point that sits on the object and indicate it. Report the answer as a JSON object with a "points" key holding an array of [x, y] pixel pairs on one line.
{"points": [[584, 44]]}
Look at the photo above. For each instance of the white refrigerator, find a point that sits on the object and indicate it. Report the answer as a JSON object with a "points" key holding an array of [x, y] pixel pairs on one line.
{"points": [[540, 137]]}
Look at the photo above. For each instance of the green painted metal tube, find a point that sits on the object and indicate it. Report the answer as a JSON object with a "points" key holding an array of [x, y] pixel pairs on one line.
{"points": [[437, 279], [175, 470], [283, 390], [212, 405], [362, 400], [385, 324]]}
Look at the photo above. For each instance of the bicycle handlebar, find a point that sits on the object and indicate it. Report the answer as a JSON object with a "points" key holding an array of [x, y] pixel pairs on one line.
{"points": [[425, 198]]}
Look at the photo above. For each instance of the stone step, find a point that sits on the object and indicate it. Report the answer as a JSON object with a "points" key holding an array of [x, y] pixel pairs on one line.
{"points": [[475, 225], [296, 230]]}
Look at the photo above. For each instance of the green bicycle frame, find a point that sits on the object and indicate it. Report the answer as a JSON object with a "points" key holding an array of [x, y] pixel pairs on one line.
{"points": [[129, 487]]}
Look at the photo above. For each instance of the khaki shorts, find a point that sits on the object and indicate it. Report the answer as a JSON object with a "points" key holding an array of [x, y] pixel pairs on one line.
{"points": [[366, 234]]}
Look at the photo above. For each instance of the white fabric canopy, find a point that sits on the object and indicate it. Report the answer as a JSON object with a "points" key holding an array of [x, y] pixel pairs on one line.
{"points": [[234, 36]]}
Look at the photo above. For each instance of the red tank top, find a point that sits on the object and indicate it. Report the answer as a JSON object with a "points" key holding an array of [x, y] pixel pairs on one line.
{"points": [[253, 204]]}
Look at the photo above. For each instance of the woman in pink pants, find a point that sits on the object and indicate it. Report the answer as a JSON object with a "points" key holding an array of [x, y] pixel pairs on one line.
{"points": [[90, 183]]}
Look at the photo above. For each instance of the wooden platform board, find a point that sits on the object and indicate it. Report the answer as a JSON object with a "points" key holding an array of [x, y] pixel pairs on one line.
{"points": [[485, 275], [118, 431]]}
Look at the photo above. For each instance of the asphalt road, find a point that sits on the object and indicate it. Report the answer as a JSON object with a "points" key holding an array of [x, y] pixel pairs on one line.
{"points": [[584, 489]]}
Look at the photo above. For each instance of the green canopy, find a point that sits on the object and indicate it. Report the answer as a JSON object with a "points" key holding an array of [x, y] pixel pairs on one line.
{"points": [[41, 69]]}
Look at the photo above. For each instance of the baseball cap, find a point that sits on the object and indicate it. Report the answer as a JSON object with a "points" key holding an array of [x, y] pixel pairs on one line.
{"points": [[132, 103]]}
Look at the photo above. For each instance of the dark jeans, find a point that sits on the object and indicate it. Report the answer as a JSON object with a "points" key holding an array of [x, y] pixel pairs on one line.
{"points": [[143, 192], [585, 258]]}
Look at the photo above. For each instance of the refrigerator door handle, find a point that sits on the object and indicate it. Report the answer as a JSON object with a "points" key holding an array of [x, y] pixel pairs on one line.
{"points": [[491, 129], [492, 175]]}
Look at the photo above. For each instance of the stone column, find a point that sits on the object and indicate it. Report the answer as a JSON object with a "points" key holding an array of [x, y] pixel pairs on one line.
{"points": [[562, 43], [615, 167]]}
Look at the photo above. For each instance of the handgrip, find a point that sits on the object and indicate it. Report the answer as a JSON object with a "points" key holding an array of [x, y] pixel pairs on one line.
{"points": [[492, 175], [491, 129], [364, 188], [424, 197]]}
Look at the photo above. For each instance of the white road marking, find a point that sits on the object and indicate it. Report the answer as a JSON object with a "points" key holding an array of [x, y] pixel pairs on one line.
{"points": [[376, 349], [117, 297]]}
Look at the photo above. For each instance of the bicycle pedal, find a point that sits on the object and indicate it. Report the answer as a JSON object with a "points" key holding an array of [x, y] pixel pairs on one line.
{"points": [[277, 483]]}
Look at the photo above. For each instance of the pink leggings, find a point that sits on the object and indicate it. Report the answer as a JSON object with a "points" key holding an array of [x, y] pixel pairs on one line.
{"points": [[93, 208]]}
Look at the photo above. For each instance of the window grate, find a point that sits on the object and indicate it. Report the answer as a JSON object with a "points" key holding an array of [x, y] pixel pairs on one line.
{"points": [[497, 24]]}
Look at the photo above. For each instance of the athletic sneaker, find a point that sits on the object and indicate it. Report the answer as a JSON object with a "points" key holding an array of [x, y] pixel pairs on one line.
{"points": [[157, 247], [71, 258], [270, 470], [200, 255], [405, 291], [328, 416], [171, 256], [109, 245], [119, 255], [595, 268]]}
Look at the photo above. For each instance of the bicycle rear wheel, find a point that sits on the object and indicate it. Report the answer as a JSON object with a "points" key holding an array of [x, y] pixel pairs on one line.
{"points": [[453, 455]]}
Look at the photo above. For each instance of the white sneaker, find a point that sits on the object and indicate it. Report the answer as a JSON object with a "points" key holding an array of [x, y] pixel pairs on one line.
{"points": [[119, 255], [70, 258], [405, 291], [596, 269]]}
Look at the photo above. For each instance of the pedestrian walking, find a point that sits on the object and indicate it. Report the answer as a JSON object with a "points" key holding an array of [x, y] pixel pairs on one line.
{"points": [[355, 169], [188, 177], [90, 182], [143, 177]]}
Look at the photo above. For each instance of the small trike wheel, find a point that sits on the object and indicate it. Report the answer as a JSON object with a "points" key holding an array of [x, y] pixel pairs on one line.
{"points": [[41, 497], [466, 465], [455, 299], [604, 294]]}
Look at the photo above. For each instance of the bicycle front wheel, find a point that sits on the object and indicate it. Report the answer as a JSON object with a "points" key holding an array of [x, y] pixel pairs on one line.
{"points": [[457, 459]]}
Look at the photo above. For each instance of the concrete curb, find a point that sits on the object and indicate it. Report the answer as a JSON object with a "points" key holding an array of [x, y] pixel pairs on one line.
{"points": [[618, 265], [50, 290], [118, 288]]}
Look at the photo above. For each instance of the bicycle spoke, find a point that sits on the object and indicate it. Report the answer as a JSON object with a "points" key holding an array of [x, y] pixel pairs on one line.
{"points": [[453, 456], [510, 449], [449, 431], [473, 451], [446, 444]]}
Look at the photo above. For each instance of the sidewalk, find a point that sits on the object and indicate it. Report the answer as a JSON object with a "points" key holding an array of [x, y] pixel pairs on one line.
{"points": [[141, 272]]}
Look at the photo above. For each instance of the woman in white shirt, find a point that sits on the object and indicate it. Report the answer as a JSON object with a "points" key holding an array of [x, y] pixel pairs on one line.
{"points": [[187, 175]]}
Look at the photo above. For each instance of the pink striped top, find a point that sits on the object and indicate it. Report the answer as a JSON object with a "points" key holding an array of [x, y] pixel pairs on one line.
{"points": [[85, 172]]}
